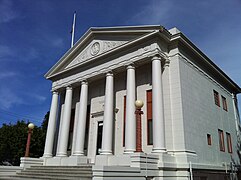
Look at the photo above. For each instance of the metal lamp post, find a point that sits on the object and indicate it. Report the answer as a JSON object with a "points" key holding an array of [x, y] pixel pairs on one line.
{"points": [[30, 130], [139, 104]]}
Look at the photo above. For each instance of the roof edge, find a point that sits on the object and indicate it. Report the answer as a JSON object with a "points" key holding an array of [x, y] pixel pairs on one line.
{"points": [[184, 39]]}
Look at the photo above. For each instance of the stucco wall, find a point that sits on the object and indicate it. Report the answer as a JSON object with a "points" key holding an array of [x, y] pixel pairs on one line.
{"points": [[201, 115]]}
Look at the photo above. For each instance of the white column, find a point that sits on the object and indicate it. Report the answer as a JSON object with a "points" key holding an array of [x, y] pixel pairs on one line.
{"points": [[106, 146], [157, 107], [81, 124], [130, 129], [64, 135], [48, 148], [76, 118]]}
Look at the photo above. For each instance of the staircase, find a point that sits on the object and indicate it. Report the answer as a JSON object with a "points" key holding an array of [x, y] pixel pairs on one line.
{"points": [[54, 172]]}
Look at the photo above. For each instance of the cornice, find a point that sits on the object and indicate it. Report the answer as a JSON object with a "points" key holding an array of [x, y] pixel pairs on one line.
{"points": [[180, 39], [120, 62]]}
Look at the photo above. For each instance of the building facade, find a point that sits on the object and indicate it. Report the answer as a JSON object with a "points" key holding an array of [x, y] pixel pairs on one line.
{"points": [[190, 121]]}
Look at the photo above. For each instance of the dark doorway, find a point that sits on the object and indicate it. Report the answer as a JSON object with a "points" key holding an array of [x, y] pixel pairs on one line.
{"points": [[99, 137]]}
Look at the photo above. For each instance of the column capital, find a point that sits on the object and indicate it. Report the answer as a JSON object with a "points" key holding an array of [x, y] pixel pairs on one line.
{"points": [[159, 55], [130, 66], [110, 73], [55, 92], [167, 63], [69, 87], [156, 57], [84, 82]]}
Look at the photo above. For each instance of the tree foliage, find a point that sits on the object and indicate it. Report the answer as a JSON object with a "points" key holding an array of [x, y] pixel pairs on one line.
{"points": [[13, 139]]}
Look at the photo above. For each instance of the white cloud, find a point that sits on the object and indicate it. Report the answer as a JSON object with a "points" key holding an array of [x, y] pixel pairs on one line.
{"points": [[38, 97], [31, 54], [57, 42], [157, 12], [7, 13], [8, 98], [4, 75], [5, 51], [27, 54]]}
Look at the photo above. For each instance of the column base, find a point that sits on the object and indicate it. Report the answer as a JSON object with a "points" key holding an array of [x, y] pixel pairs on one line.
{"points": [[106, 152], [61, 155], [47, 155], [129, 151], [159, 150], [78, 154]]}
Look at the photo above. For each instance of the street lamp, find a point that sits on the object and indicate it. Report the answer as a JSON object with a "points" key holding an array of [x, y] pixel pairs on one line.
{"points": [[30, 130], [139, 104]]}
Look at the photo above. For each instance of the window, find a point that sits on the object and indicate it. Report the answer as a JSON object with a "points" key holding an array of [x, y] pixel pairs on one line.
{"points": [[124, 121], [149, 117], [216, 98], [225, 107], [209, 139], [229, 142], [221, 140]]}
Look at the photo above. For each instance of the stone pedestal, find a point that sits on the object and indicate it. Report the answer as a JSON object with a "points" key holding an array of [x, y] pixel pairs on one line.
{"points": [[144, 161], [110, 160], [26, 162], [66, 161]]}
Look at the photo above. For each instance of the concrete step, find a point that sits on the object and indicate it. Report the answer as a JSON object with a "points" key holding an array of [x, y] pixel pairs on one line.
{"points": [[69, 167], [35, 177], [75, 174], [59, 171], [54, 172]]}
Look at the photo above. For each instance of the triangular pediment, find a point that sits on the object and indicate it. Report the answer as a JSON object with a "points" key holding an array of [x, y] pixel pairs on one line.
{"points": [[96, 42], [95, 48]]}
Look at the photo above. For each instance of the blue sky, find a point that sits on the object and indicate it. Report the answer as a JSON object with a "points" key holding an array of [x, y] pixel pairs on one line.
{"points": [[35, 34]]}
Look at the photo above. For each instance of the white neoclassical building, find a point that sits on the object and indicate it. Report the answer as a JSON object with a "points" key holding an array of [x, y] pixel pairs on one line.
{"points": [[190, 122]]}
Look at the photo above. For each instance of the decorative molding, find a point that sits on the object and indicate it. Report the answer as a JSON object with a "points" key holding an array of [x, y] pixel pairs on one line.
{"points": [[188, 62], [101, 113], [167, 63], [95, 48], [125, 60], [97, 114]]}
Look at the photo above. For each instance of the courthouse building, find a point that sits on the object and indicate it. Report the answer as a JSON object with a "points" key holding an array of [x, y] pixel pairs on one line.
{"points": [[190, 122]]}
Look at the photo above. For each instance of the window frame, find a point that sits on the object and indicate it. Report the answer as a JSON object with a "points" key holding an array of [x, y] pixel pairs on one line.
{"points": [[224, 102], [229, 142], [221, 140], [216, 98], [209, 139]]}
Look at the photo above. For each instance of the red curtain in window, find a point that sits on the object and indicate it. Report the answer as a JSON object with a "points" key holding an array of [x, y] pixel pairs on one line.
{"points": [[149, 118]]}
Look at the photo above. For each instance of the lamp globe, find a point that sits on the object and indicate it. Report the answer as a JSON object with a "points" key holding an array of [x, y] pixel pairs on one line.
{"points": [[139, 104], [30, 125]]}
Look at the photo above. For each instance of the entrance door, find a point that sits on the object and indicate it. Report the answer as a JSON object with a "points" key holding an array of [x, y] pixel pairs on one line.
{"points": [[99, 137]]}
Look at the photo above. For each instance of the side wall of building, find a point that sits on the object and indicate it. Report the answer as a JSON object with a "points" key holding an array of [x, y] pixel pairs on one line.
{"points": [[202, 116]]}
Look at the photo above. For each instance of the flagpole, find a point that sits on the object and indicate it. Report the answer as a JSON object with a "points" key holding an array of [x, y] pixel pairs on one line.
{"points": [[72, 32]]}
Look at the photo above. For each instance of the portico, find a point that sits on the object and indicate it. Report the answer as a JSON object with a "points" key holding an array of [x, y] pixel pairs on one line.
{"points": [[108, 115]]}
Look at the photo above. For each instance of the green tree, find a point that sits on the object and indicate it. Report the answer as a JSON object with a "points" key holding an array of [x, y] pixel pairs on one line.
{"points": [[13, 138]]}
